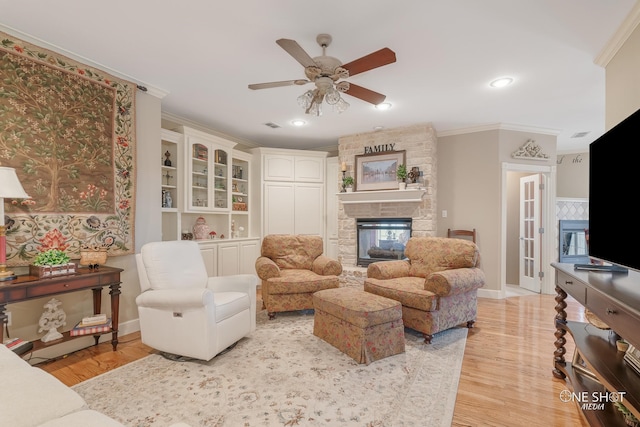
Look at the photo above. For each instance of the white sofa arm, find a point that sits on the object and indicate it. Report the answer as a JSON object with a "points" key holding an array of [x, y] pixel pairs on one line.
{"points": [[175, 298], [236, 283], [246, 283]]}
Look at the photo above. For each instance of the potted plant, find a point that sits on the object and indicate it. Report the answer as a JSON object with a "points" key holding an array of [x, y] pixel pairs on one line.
{"points": [[401, 173], [347, 183], [51, 262], [629, 418]]}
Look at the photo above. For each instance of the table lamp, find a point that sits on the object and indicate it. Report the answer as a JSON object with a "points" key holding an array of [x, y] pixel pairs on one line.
{"points": [[9, 187]]}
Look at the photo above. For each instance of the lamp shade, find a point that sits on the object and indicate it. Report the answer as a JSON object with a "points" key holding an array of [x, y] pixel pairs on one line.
{"points": [[10, 186]]}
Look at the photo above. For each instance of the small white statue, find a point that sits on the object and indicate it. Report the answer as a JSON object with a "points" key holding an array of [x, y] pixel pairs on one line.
{"points": [[52, 318]]}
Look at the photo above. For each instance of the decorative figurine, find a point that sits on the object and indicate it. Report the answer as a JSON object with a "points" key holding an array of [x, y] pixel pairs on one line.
{"points": [[168, 176], [51, 320], [167, 162], [167, 200]]}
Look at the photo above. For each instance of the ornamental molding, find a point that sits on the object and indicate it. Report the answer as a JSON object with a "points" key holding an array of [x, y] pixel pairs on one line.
{"points": [[530, 151]]}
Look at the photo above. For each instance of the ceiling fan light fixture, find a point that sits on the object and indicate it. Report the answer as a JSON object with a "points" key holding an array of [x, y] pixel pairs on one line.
{"points": [[332, 97], [305, 99], [315, 109], [341, 106]]}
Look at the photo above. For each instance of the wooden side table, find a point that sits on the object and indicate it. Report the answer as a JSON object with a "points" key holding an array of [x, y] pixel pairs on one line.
{"points": [[26, 288]]}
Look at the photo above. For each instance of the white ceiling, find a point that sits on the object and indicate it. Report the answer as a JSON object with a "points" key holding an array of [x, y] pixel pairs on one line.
{"points": [[204, 53]]}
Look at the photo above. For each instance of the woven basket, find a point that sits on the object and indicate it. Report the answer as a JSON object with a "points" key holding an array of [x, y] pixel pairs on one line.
{"points": [[93, 256], [595, 320]]}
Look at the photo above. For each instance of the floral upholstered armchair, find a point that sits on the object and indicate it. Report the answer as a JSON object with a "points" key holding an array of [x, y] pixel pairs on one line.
{"points": [[292, 268], [437, 285]]}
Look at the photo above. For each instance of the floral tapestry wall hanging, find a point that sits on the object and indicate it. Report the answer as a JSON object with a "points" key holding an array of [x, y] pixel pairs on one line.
{"points": [[69, 131]]}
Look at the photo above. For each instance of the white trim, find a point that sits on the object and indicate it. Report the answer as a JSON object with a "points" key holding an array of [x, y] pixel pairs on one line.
{"points": [[491, 293], [548, 242], [619, 37], [382, 196], [571, 199], [499, 126]]}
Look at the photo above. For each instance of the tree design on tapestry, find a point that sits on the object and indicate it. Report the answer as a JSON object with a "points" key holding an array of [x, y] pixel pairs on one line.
{"points": [[69, 131]]}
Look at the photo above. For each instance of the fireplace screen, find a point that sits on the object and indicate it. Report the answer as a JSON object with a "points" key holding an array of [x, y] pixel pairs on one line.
{"points": [[382, 239]]}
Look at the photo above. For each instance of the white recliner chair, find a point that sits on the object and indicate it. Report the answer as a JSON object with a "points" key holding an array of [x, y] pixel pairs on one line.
{"points": [[184, 312]]}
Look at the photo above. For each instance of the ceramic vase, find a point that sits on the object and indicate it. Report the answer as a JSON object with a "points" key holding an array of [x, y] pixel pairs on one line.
{"points": [[200, 229]]}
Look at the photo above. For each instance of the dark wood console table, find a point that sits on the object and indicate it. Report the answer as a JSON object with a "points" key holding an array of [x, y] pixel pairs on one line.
{"points": [[615, 299], [30, 287]]}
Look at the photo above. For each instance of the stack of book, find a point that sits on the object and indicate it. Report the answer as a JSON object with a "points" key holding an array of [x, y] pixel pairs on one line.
{"points": [[18, 345], [97, 324]]}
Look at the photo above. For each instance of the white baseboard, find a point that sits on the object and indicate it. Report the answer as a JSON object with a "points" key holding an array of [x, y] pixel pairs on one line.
{"points": [[491, 293]]}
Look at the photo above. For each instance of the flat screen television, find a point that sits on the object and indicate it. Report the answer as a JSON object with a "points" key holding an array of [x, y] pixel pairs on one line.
{"points": [[614, 164]]}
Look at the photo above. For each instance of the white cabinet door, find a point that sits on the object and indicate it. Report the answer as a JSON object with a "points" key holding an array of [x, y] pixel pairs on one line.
{"points": [[278, 167], [209, 258], [279, 208], [309, 169], [249, 253], [228, 259], [309, 209]]}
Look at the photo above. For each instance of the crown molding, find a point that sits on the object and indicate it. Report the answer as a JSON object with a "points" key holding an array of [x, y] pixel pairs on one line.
{"points": [[179, 120], [500, 126], [619, 37], [151, 90]]}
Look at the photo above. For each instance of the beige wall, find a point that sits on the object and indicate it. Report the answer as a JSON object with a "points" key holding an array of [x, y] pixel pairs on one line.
{"points": [[469, 189], [573, 175]]}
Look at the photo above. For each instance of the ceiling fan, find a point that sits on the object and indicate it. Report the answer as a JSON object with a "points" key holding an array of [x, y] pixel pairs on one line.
{"points": [[326, 72]]}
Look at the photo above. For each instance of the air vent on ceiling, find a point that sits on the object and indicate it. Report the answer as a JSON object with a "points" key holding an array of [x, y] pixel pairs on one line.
{"points": [[272, 125], [580, 134]]}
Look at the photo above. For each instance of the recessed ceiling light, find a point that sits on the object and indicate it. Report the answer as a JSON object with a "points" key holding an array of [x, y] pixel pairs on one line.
{"points": [[377, 128], [501, 82], [298, 122], [383, 106]]}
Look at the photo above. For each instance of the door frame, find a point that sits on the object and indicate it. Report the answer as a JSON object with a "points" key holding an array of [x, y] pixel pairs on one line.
{"points": [[530, 280], [547, 285]]}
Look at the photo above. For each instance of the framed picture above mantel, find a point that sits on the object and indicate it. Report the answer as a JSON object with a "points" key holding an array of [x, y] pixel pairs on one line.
{"points": [[378, 171]]}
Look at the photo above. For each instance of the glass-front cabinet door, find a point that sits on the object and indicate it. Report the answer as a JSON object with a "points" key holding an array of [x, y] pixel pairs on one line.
{"points": [[221, 182], [199, 183], [207, 177]]}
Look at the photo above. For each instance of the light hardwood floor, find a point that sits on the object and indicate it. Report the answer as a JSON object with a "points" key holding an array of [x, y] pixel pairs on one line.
{"points": [[506, 375]]}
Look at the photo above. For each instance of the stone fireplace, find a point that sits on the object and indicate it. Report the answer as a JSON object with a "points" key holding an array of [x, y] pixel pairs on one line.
{"points": [[419, 205]]}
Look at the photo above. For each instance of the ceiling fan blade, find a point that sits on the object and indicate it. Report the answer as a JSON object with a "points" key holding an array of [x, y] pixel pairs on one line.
{"points": [[367, 95], [293, 48], [298, 82], [376, 59]]}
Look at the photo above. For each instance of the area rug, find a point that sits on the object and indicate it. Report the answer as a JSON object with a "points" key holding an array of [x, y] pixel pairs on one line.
{"points": [[283, 375]]}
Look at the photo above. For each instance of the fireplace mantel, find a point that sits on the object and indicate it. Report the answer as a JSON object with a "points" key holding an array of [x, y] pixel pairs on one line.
{"points": [[412, 195]]}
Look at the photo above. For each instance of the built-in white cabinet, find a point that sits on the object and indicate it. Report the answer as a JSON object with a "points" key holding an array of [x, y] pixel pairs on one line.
{"points": [[204, 176], [285, 166], [292, 200], [208, 172], [229, 257]]}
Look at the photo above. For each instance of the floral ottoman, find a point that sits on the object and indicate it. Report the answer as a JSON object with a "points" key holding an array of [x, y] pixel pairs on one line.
{"points": [[364, 326]]}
